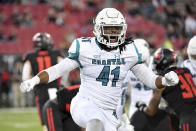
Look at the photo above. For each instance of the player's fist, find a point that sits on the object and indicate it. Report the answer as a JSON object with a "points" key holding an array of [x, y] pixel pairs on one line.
{"points": [[28, 85], [170, 79]]}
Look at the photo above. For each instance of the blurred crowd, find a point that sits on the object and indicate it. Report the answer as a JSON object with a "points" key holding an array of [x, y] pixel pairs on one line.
{"points": [[176, 17]]}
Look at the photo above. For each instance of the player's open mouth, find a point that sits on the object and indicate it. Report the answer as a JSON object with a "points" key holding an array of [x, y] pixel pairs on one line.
{"points": [[113, 39]]}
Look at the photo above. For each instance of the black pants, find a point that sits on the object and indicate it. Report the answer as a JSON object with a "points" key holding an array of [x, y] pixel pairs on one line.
{"points": [[162, 121], [188, 121], [41, 97], [57, 120]]}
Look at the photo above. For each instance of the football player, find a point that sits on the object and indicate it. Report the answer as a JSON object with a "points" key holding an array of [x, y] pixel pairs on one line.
{"points": [[182, 97], [163, 119], [56, 112], [41, 58], [104, 61], [136, 90], [191, 62], [139, 91]]}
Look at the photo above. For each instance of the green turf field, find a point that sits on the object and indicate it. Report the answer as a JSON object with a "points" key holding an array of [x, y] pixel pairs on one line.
{"points": [[19, 120], [12, 119]]}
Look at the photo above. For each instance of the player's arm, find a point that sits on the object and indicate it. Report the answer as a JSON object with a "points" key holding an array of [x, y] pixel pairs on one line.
{"points": [[152, 107], [27, 70], [151, 80], [50, 74], [64, 78]]}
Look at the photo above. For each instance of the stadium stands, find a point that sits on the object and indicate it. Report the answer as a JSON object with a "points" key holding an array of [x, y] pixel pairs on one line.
{"points": [[76, 21]]}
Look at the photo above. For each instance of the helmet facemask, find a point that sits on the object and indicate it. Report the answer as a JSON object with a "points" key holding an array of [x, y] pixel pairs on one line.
{"points": [[110, 28]]}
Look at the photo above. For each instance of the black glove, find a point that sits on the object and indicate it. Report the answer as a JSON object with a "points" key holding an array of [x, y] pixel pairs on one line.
{"points": [[140, 105]]}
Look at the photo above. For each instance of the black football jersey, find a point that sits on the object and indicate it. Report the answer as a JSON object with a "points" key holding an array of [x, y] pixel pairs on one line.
{"points": [[182, 97], [41, 60], [64, 97]]}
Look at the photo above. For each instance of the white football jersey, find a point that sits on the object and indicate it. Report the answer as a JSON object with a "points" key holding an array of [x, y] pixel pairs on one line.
{"points": [[187, 63], [102, 72]]}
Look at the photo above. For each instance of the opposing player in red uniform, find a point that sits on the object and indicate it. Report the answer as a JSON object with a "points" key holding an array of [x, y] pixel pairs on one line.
{"points": [[181, 98], [41, 58]]}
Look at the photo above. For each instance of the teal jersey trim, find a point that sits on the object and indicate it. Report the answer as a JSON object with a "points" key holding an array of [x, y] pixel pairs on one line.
{"points": [[138, 54], [123, 96], [75, 56]]}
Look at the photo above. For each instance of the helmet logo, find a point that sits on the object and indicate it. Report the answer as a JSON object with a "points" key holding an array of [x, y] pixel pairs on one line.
{"points": [[158, 56]]}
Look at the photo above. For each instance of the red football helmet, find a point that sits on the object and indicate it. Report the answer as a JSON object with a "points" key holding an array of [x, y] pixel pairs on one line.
{"points": [[42, 41], [164, 59]]}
